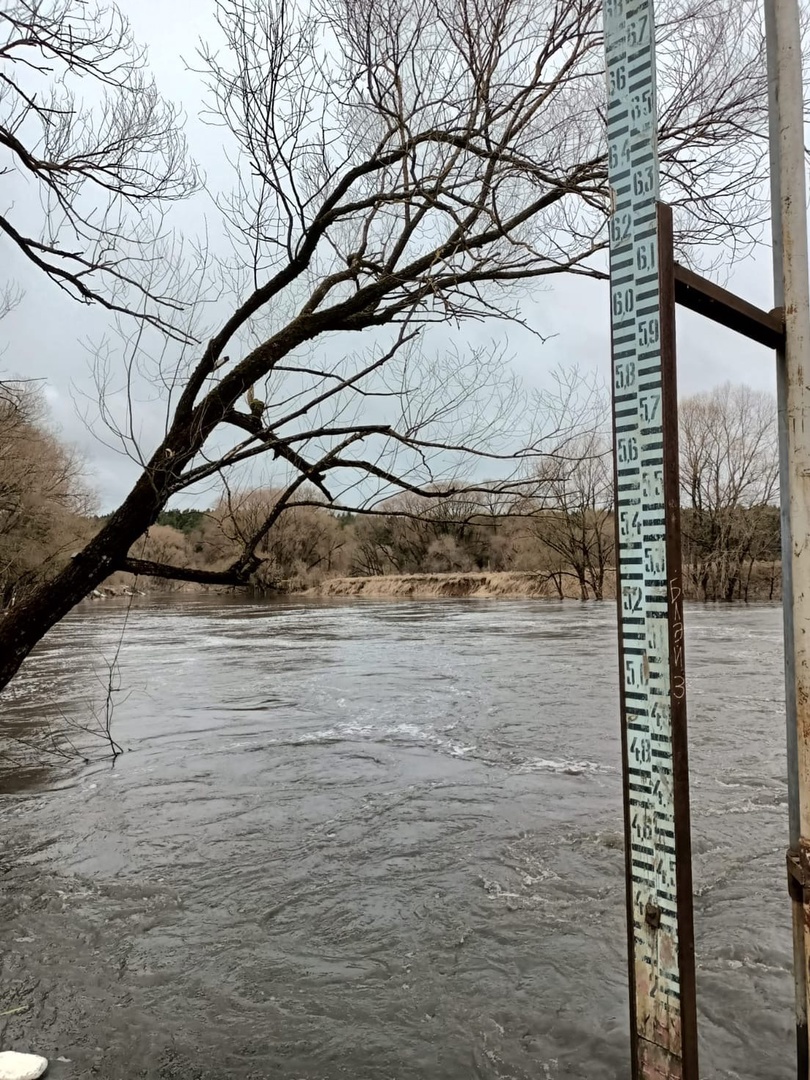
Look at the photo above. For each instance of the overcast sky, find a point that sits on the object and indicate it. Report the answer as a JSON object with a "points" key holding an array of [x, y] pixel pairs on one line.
{"points": [[47, 335]]}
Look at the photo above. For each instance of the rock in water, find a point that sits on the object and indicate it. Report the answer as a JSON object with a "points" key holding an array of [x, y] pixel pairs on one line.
{"points": [[15, 1066]]}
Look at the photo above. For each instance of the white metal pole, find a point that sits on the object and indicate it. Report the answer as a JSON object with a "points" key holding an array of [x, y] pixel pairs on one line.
{"points": [[792, 293]]}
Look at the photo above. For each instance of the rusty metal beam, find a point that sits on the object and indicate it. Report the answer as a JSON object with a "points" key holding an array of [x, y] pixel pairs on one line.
{"points": [[721, 306], [668, 285]]}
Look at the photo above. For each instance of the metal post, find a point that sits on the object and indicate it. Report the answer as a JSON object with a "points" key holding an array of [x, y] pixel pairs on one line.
{"points": [[652, 685], [791, 291], [680, 751]]}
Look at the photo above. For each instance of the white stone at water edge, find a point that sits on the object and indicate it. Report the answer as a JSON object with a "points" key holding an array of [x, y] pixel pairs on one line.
{"points": [[15, 1066]]}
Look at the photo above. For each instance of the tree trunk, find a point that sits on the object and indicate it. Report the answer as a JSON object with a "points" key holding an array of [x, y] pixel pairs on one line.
{"points": [[748, 576], [599, 586], [583, 583], [557, 578], [28, 621]]}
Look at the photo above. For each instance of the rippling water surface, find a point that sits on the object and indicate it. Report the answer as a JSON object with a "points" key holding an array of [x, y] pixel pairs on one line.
{"points": [[378, 840]]}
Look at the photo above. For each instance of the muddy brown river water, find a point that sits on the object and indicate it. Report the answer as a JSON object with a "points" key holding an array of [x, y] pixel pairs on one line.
{"points": [[377, 840]]}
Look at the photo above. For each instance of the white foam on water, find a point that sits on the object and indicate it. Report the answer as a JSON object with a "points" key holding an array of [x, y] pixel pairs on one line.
{"points": [[572, 768], [748, 807], [216, 642], [495, 891], [753, 965], [404, 732]]}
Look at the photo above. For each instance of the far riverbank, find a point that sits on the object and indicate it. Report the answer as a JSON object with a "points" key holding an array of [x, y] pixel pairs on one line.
{"points": [[762, 585]]}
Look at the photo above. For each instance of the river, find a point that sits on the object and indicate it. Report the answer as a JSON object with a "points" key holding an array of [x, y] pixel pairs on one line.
{"points": [[377, 840]]}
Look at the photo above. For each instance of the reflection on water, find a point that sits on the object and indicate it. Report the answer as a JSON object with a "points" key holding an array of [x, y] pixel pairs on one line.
{"points": [[377, 840]]}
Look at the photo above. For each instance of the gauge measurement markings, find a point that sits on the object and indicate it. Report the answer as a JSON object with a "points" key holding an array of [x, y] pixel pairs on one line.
{"points": [[643, 578]]}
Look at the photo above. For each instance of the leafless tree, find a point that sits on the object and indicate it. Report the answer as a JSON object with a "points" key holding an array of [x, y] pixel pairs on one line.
{"points": [[400, 164], [160, 544], [42, 494], [10, 296], [729, 481], [574, 516], [305, 540], [437, 532], [87, 139]]}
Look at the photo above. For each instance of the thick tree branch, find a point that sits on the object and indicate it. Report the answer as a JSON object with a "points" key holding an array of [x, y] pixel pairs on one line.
{"points": [[146, 568]]}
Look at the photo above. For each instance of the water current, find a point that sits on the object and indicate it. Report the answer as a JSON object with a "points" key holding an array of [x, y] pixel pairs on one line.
{"points": [[376, 840]]}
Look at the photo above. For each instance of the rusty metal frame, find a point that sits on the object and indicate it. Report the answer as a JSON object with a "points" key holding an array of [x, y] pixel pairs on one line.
{"points": [[645, 286], [668, 284], [674, 1055], [663, 1012]]}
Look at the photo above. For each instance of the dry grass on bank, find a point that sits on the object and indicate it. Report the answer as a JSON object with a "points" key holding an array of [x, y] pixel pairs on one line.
{"points": [[763, 585], [507, 584]]}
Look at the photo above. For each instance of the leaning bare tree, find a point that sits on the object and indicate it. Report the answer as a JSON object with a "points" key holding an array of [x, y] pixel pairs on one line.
{"points": [[401, 163]]}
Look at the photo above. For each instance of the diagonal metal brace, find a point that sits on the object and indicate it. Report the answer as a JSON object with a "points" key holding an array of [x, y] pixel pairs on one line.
{"points": [[721, 306]]}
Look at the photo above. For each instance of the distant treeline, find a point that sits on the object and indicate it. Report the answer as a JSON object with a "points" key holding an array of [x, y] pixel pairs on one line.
{"points": [[728, 555], [564, 530], [185, 521]]}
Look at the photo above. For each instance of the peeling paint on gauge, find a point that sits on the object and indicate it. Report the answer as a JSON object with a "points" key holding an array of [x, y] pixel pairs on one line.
{"points": [[661, 961]]}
